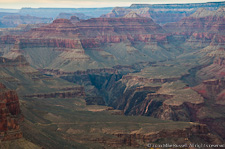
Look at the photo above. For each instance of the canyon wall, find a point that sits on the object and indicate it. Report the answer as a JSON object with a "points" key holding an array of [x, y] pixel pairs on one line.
{"points": [[10, 115]]}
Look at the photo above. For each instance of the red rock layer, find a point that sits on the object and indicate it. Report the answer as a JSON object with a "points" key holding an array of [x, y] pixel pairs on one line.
{"points": [[213, 90], [59, 28], [8, 39], [209, 24], [58, 43], [92, 33], [75, 92], [9, 114], [114, 26], [97, 27]]}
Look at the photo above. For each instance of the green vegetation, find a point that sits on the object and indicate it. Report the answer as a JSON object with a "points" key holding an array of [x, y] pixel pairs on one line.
{"points": [[163, 72], [26, 81], [70, 122]]}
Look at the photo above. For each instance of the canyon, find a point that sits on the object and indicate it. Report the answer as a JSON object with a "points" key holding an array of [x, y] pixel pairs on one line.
{"points": [[126, 79]]}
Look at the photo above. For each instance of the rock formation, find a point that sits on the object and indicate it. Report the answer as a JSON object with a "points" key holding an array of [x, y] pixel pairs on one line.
{"points": [[173, 76], [162, 13], [10, 115], [201, 21]]}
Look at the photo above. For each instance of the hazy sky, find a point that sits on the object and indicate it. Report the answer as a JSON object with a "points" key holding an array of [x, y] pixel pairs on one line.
{"points": [[87, 3]]}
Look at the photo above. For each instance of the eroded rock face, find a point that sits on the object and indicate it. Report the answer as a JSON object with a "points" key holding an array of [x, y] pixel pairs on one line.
{"points": [[201, 21], [57, 43], [212, 89], [69, 93], [185, 136], [8, 39], [10, 114], [158, 105], [98, 27], [115, 26], [79, 40]]}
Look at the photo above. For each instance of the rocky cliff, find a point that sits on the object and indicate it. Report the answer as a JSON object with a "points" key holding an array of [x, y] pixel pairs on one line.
{"points": [[10, 115], [211, 114], [212, 89], [122, 26], [83, 43], [128, 62], [202, 20], [68, 93], [58, 28], [97, 27]]}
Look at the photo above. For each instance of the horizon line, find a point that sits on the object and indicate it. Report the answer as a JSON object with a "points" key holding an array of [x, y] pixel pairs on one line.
{"points": [[172, 3]]}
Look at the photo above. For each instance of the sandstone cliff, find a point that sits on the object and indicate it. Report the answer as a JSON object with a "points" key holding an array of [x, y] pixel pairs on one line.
{"points": [[10, 115]]}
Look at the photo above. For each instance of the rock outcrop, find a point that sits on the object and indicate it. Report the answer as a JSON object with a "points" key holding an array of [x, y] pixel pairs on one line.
{"points": [[213, 90], [58, 28], [118, 26], [69, 93], [79, 40], [10, 115], [96, 27]]}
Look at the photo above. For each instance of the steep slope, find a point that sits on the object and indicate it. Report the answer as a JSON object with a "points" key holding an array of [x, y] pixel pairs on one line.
{"points": [[10, 117], [213, 113], [201, 21], [129, 63], [56, 111], [18, 75], [118, 26], [159, 91], [70, 123], [96, 43]]}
